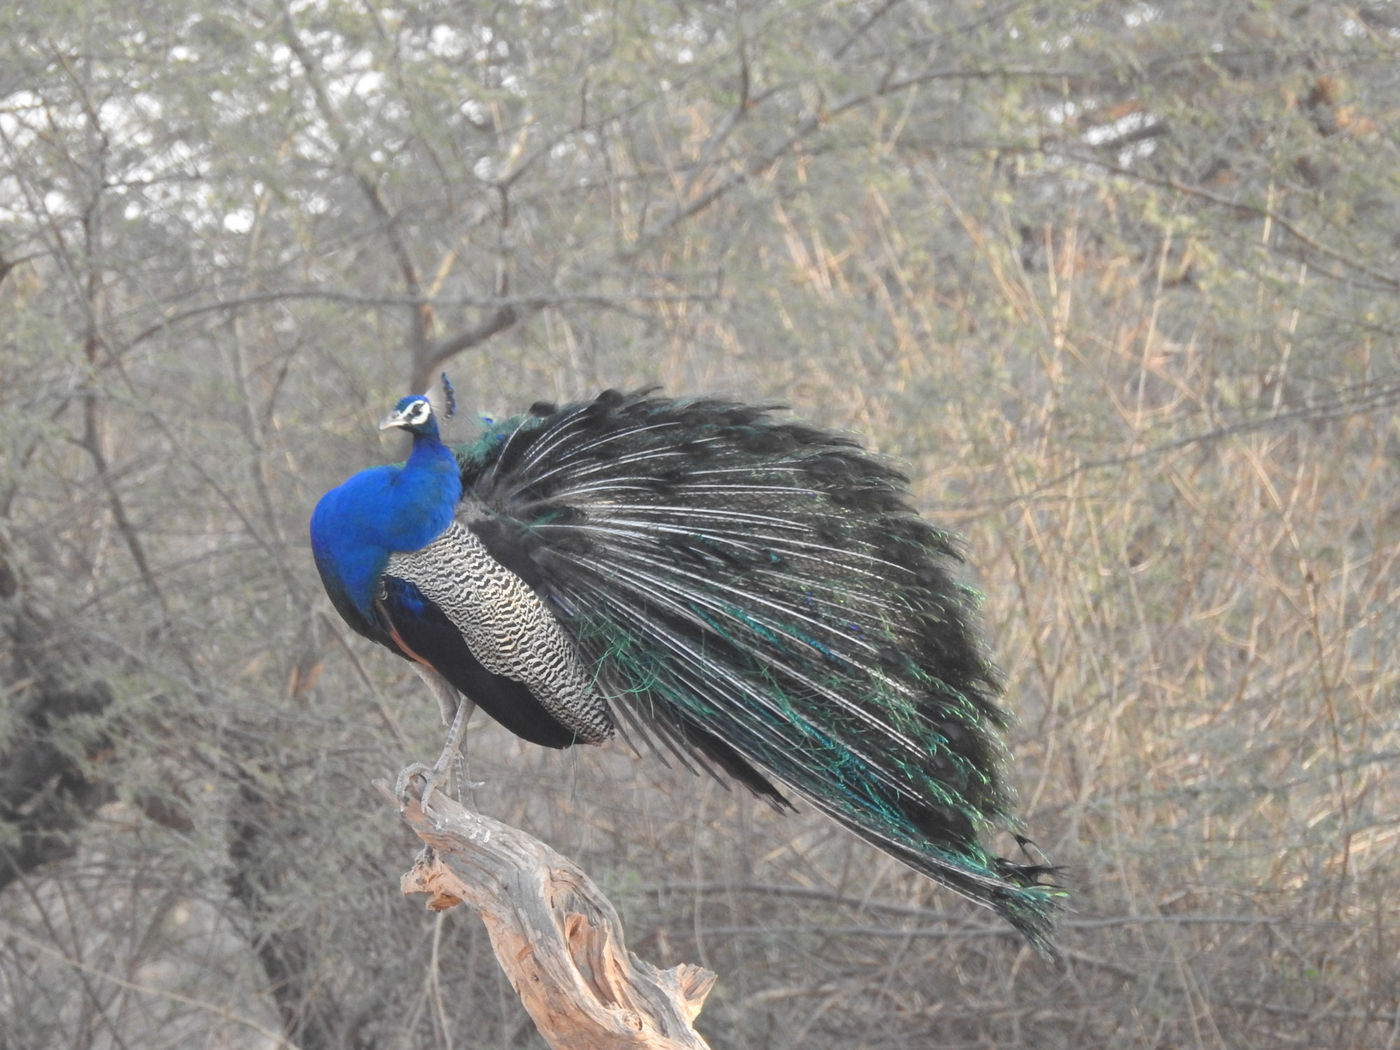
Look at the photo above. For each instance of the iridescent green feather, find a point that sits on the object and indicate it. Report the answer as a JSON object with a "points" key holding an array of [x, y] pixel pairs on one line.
{"points": [[759, 597]]}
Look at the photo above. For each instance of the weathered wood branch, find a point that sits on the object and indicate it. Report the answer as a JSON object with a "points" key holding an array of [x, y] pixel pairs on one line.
{"points": [[555, 934]]}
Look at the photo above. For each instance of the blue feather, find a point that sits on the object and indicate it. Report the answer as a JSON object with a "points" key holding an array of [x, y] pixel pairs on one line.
{"points": [[359, 523]]}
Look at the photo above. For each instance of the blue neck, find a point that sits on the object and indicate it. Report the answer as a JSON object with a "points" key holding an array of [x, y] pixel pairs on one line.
{"points": [[425, 495], [378, 511]]}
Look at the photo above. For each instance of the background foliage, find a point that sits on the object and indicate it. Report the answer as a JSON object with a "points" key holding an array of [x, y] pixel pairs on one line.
{"points": [[1117, 281]]}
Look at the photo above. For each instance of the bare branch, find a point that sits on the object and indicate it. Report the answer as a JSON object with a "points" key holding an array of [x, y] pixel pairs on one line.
{"points": [[422, 314], [555, 934]]}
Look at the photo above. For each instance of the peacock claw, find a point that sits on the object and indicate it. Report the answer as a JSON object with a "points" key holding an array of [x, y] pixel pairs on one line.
{"points": [[446, 775], [420, 770]]}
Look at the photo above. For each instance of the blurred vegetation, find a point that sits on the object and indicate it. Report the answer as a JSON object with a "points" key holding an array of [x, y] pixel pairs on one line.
{"points": [[1116, 280]]}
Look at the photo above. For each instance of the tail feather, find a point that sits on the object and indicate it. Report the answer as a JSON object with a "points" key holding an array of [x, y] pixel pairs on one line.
{"points": [[760, 595]]}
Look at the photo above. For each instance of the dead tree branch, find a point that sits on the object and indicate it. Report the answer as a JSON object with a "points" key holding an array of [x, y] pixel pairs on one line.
{"points": [[555, 934]]}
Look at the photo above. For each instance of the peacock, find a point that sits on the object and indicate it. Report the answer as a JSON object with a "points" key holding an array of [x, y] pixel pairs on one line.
{"points": [[708, 579]]}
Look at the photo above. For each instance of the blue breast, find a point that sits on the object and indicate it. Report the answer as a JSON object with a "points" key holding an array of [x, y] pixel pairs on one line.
{"points": [[358, 524]]}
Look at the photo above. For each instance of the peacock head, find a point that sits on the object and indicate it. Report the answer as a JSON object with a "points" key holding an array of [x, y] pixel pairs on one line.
{"points": [[413, 413]]}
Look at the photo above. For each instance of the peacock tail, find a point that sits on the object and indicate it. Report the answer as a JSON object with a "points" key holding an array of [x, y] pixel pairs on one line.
{"points": [[751, 595]]}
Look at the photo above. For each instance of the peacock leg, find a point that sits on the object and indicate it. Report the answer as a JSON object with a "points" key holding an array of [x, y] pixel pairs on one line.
{"points": [[442, 690], [450, 765], [452, 760]]}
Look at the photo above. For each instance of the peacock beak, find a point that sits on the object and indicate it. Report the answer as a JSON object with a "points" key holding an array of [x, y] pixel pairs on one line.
{"points": [[393, 419]]}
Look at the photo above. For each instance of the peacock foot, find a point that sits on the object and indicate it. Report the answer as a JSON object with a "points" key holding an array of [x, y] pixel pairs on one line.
{"points": [[404, 789]]}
